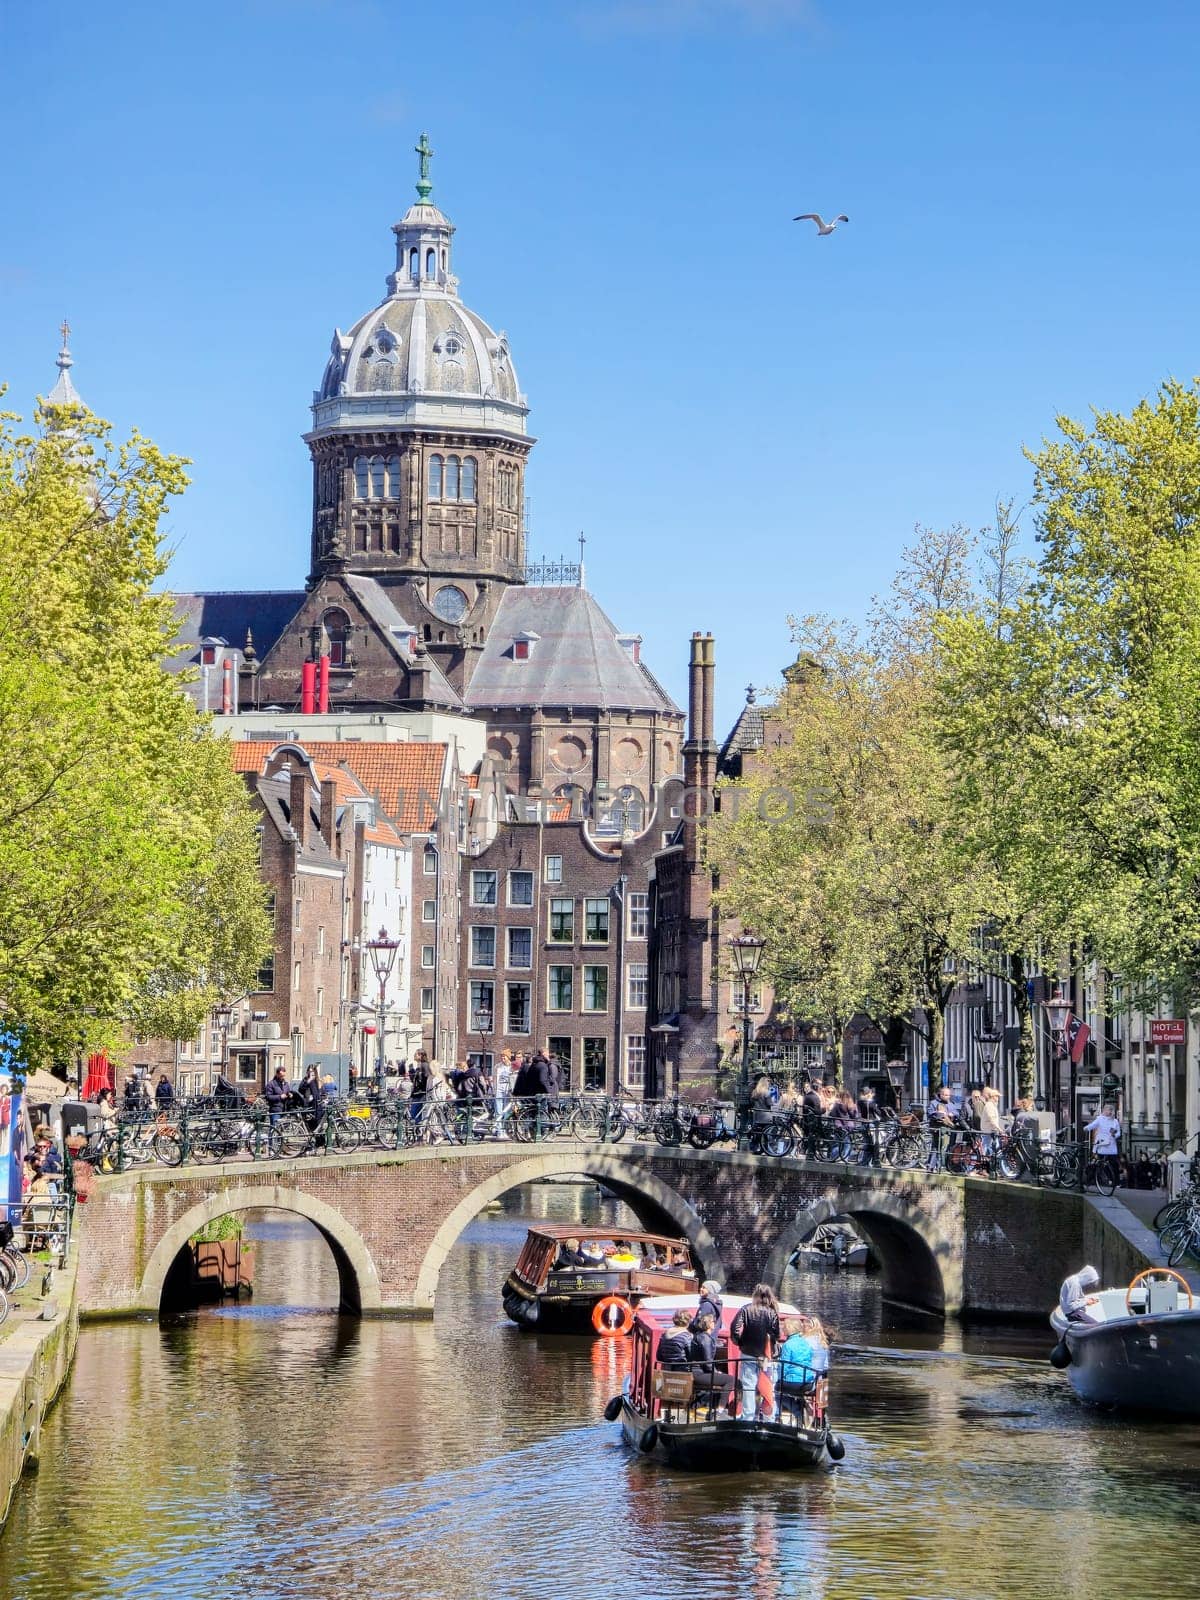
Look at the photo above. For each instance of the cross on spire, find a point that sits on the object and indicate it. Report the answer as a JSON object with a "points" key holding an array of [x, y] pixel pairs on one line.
{"points": [[424, 151], [64, 328], [582, 578]]}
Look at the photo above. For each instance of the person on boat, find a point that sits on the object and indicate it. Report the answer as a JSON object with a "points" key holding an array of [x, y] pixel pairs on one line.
{"points": [[755, 1331], [710, 1305], [570, 1255], [1073, 1296], [716, 1385], [675, 1346], [803, 1362]]}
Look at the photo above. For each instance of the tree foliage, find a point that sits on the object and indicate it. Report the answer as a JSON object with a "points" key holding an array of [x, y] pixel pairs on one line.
{"points": [[129, 892]]}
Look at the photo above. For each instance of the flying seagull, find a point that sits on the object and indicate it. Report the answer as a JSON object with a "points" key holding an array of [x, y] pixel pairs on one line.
{"points": [[823, 227]]}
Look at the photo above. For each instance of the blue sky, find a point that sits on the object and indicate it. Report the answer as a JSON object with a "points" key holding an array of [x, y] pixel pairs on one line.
{"points": [[745, 419]]}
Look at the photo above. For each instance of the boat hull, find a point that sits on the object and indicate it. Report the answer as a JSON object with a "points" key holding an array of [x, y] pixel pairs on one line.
{"points": [[1139, 1363], [725, 1445]]}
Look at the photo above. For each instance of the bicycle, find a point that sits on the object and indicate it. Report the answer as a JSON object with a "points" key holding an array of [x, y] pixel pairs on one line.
{"points": [[1181, 1236]]}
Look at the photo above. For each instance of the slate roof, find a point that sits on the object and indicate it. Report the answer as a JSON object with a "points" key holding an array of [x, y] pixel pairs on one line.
{"points": [[405, 778], [575, 659], [275, 794], [378, 605], [746, 734], [226, 614]]}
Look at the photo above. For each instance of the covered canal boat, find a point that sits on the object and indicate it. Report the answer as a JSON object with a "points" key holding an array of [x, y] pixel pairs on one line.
{"points": [[585, 1280]]}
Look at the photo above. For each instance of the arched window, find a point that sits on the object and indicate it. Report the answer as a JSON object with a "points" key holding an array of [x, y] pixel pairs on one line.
{"points": [[337, 626], [431, 263], [393, 478], [414, 262], [452, 477], [435, 477], [376, 477], [443, 260], [468, 478], [360, 478]]}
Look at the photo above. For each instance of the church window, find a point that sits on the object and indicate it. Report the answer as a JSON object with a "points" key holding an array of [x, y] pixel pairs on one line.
{"points": [[468, 478], [414, 262], [360, 537], [443, 261], [337, 626], [452, 477], [394, 538], [376, 477], [361, 489], [435, 477], [393, 478], [430, 263]]}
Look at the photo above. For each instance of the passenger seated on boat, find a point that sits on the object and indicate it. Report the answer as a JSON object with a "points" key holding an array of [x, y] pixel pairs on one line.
{"points": [[711, 1384], [1073, 1296], [570, 1255], [621, 1254], [675, 1347], [803, 1362], [710, 1304]]}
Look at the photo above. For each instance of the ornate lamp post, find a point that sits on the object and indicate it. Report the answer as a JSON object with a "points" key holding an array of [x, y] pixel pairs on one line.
{"points": [[1058, 1015], [747, 952], [383, 952], [223, 1015], [483, 1021]]}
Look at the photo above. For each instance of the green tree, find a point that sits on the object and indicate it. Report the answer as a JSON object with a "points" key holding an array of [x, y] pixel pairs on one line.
{"points": [[1072, 722], [128, 887]]}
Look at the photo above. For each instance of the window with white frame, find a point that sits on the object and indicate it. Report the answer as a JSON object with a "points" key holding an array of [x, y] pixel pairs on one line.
{"points": [[321, 941], [428, 955], [483, 1007], [320, 1002], [483, 947], [517, 1007], [870, 1057], [595, 1064], [560, 988], [638, 985], [595, 921], [553, 869], [428, 910], [296, 976], [814, 1054], [429, 861], [635, 1060], [520, 888], [639, 916], [426, 1001], [520, 947], [562, 922], [595, 988], [735, 997], [483, 888]]}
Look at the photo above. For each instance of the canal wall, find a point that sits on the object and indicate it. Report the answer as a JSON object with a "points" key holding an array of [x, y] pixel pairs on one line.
{"points": [[35, 1358]]}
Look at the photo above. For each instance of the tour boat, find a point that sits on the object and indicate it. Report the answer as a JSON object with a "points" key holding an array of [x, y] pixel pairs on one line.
{"points": [[599, 1293], [1140, 1351], [679, 1417]]}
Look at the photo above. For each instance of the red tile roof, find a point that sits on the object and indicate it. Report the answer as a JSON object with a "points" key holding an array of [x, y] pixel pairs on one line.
{"points": [[406, 779]]}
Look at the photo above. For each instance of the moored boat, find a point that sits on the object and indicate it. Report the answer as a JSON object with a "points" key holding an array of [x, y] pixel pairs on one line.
{"points": [[683, 1419], [1139, 1348], [590, 1280]]}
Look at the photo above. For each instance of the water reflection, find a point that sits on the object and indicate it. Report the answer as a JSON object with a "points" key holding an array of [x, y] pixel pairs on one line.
{"points": [[276, 1448]]}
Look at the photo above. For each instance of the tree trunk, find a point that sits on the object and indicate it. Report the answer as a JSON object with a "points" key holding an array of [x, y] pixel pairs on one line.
{"points": [[936, 1013], [1023, 1006]]}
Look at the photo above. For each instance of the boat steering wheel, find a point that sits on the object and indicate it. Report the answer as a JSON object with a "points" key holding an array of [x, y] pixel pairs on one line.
{"points": [[1158, 1272]]}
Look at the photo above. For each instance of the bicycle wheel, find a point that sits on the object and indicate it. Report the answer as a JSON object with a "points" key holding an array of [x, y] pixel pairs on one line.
{"points": [[3, 1305], [584, 1123], [345, 1134], [1067, 1170], [1106, 1176], [293, 1135], [20, 1265], [618, 1124], [1185, 1241], [777, 1139], [1170, 1211], [167, 1149]]}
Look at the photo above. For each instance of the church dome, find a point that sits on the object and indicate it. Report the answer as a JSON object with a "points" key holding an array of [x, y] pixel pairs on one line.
{"points": [[420, 358]]}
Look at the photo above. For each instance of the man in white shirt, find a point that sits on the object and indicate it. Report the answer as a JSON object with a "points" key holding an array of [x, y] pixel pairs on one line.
{"points": [[1105, 1130]]}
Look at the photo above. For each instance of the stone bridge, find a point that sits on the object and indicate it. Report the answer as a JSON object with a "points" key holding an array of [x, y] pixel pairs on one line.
{"points": [[947, 1245]]}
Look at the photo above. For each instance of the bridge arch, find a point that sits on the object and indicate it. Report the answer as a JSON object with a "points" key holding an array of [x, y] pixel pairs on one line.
{"points": [[919, 1267], [358, 1278], [635, 1185]]}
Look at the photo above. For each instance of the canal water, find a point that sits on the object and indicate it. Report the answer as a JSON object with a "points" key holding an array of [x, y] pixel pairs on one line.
{"points": [[275, 1450]]}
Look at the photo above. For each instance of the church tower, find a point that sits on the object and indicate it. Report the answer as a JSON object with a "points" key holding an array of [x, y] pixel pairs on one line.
{"points": [[419, 446]]}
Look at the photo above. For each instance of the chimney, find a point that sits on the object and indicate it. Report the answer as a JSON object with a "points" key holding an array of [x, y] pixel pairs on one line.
{"points": [[695, 687], [707, 677], [298, 804], [329, 813]]}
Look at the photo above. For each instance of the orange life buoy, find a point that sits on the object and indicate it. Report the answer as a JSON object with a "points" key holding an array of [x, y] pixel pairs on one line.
{"points": [[612, 1316]]}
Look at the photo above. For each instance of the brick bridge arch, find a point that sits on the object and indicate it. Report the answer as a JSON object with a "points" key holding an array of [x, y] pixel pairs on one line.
{"points": [[647, 1195], [358, 1280]]}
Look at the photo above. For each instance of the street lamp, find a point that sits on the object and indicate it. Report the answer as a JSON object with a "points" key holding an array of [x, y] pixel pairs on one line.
{"points": [[223, 1015], [1058, 1015], [383, 952], [747, 952], [989, 1043], [483, 1019]]}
